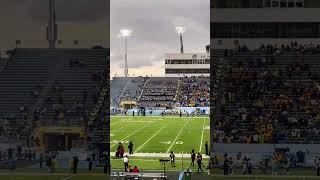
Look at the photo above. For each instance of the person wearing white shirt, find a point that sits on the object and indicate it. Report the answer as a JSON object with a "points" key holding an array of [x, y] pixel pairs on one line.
{"points": [[126, 163]]}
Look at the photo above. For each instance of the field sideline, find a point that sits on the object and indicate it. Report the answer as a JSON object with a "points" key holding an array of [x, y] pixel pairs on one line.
{"points": [[157, 134]]}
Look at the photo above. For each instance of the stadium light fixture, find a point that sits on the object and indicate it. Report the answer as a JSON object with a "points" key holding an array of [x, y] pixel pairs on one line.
{"points": [[181, 30], [126, 33]]}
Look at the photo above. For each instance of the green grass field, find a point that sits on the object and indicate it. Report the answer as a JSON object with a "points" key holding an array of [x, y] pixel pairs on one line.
{"points": [[160, 134]]}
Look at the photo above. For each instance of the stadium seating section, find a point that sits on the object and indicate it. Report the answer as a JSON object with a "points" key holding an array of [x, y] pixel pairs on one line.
{"points": [[267, 97], [57, 87], [161, 92]]}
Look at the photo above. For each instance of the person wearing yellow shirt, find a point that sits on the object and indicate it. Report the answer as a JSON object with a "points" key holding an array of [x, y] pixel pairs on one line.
{"points": [[71, 164]]}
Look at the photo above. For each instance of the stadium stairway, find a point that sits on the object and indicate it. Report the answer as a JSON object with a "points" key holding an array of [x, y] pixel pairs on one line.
{"points": [[116, 88]]}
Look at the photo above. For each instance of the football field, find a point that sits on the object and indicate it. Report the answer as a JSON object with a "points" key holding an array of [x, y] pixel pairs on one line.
{"points": [[157, 134]]}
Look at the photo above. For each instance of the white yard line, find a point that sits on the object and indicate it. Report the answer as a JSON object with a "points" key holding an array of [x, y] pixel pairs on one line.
{"points": [[116, 122], [132, 134], [204, 122], [152, 137], [178, 135], [118, 129], [67, 178]]}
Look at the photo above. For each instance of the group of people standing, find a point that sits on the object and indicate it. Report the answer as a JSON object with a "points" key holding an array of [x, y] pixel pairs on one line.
{"points": [[194, 158], [73, 164], [121, 150]]}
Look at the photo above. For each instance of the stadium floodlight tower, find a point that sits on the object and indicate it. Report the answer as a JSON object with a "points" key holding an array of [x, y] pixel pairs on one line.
{"points": [[52, 26], [126, 33], [180, 30]]}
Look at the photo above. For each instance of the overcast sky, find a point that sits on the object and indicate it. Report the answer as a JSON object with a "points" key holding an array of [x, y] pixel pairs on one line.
{"points": [[153, 23], [26, 20]]}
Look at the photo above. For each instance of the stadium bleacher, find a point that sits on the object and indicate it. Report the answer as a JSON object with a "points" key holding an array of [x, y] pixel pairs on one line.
{"points": [[161, 92], [269, 97], [194, 92], [50, 87]]}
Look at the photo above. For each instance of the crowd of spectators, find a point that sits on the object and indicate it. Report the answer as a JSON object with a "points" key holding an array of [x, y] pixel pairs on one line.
{"points": [[194, 92], [159, 93], [271, 164], [18, 152], [265, 104], [165, 93]]}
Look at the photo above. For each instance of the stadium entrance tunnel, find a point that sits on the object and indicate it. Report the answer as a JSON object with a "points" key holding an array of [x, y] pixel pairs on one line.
{"points": [[59, 138]]}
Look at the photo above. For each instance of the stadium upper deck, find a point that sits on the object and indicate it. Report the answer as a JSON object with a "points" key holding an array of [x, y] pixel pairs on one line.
{"points": [[254, 22]]}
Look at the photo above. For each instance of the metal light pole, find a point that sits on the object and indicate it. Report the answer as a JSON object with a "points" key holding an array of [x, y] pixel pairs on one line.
{"points": [[52, 26], [126, 33], [180, 30]]}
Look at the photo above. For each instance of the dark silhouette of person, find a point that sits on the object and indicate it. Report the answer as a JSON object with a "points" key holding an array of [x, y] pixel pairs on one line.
{"points": [[226, 167], [199, 162], [41, 160], [10, 152], [318, 167], [130, 147], [90, 164], [75, 164], [193, 157], [207, 148], [172, 159]]}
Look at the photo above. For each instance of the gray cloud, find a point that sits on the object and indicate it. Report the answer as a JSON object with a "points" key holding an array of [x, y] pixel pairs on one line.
{"points": [[153, 23], [77, 19]]}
